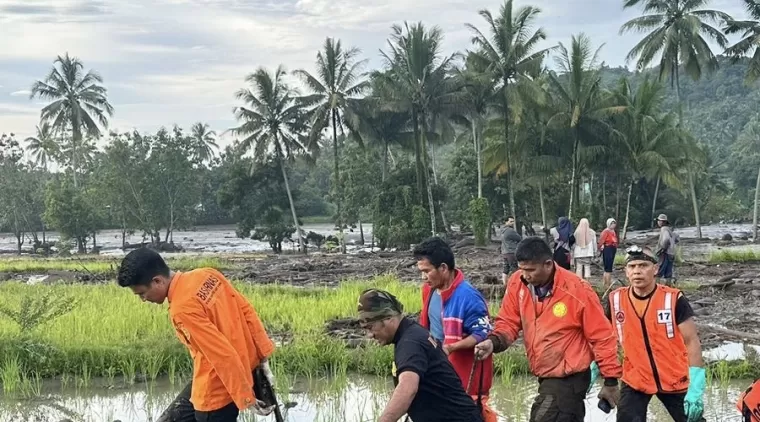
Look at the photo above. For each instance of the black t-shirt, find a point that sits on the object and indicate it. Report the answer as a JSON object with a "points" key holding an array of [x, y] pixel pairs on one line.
{"points": [[440, 395], [683, 308]]}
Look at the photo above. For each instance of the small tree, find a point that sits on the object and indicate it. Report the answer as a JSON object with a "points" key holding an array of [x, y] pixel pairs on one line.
{"points": [[37, 309], [480, 218]]}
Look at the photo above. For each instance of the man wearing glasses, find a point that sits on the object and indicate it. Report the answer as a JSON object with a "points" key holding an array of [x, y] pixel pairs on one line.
{"points": [[427, 387], [663, 356]]}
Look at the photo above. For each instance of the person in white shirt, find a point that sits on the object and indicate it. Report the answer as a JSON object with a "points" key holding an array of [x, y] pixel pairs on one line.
{"points": [[584, 249]]}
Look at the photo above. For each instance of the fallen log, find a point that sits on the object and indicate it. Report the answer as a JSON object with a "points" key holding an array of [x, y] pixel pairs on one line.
{"points": [[719, 285], [731, 333]]}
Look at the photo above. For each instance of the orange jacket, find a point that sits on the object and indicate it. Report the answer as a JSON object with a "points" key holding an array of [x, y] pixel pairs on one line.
{"points": [[564, 333], [226, 339], [655, 358], [749, 403]]}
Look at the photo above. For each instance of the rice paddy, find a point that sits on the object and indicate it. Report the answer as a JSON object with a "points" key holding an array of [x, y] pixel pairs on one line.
{"points": [[110, 334]]}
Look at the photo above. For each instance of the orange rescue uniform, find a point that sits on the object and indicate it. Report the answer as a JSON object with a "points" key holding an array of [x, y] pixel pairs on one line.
{"points": [[565, 332], [655, 355], [749, 403], [224, 335]]}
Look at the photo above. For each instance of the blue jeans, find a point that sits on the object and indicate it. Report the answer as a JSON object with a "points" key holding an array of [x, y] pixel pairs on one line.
{"points": [[666, 266]]}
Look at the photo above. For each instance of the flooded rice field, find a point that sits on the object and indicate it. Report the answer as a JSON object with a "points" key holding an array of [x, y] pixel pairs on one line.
{"points": [[359, 399]]}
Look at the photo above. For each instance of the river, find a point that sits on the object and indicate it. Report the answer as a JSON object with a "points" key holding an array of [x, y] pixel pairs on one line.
{"points": [[208, 239], [359, 399]]}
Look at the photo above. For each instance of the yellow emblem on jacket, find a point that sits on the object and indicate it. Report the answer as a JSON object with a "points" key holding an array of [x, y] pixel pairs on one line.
{"points": [[559, 309]]}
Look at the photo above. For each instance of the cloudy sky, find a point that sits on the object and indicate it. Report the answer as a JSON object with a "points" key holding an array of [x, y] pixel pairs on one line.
{"points": [[180, 61]]}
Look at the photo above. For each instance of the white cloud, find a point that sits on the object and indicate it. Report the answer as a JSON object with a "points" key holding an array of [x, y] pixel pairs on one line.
{"points": [[20, 93], [181, 61]]}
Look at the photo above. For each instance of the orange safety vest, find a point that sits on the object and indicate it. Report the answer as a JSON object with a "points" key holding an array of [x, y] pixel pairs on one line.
{"points": [[665, 365], [749, 403]]}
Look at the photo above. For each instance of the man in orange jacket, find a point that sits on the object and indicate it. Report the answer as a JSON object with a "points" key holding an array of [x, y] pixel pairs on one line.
{"points": [[661, 348], [749, 403], [222, 331], [564, 329]]}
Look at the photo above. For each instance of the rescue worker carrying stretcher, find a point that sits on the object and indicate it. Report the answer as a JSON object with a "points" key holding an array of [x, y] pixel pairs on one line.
{"points": [[222, 331], [564, 329], [662, 354]]}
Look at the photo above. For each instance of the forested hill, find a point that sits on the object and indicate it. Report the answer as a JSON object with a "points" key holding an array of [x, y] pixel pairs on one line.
{"points": [[717, 107]]}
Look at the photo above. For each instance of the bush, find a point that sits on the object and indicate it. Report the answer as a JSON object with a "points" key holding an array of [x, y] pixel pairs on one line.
{"points": [[480, 218]]}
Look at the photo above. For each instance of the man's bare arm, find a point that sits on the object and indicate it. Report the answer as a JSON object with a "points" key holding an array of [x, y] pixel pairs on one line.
{"points": [[690, 336], [408, 383]]}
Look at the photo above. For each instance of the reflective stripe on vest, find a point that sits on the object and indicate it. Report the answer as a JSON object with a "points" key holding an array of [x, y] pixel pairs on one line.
{"points": [[615, 310], [667, 315]]}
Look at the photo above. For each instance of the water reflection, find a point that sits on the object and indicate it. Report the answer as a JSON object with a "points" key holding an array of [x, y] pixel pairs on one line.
{"points": [[358, 400]]}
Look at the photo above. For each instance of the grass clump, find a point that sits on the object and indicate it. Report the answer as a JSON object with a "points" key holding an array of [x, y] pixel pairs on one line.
{"points": [[738, 256]]}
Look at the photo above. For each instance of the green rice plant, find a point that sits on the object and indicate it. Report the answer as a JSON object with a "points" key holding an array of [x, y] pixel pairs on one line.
{"points": [[31, 385], [10, 374], [733, 256], [128, 367], [153, 365]]}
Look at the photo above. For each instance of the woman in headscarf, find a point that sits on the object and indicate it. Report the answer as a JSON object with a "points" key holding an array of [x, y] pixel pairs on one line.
{"points": [[608, 244], [584, 250], [563, 242]]}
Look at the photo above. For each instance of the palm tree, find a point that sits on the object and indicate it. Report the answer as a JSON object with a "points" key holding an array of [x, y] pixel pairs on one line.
{"points": [[479, 89], [79, 101], [510, 54], [371, 125], [748, 145], [204, 142], [417, 81], [583, 108], [44, 147], [679, 34], [645, 133], [750, 33], [337, 82], [273, 120]]}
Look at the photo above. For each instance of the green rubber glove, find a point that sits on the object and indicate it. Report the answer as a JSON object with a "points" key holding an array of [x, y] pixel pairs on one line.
{"points": [[692, 403], [594, 376]]}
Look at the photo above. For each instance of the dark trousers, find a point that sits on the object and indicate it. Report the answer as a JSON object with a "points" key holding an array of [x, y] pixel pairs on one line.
{"points": [[181, 410], [666, 266], [634, 404], [228, 413], [561, 399], [510, 263]]}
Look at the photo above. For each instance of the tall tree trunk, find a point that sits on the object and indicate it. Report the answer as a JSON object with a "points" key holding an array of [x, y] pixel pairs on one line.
{"points": [[510, 173], [94, 241], [435, 179], [694, 204], [627, 211], [654, 200], [617, 198], [418, 156], [478, 156], [385, 160], [428, 186], [299, 233], [541, 199], [757, 204], [574, 175], [604, 194], [44, 240], [361, 233], [338, 182]]}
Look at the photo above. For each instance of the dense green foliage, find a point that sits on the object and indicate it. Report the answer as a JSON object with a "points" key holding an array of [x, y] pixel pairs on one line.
{"points": [[409, 146]]}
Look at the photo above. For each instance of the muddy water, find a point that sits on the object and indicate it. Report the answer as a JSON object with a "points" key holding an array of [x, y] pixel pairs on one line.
{"points": [[213, 239], [358, 400]]}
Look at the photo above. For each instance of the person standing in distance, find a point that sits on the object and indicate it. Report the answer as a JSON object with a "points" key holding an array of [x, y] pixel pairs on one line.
{"points": [[216, 323], [456, 314], [427, 388], [564, 329], [666, 250], [509, 240], [662, 352], [608, 244]]}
